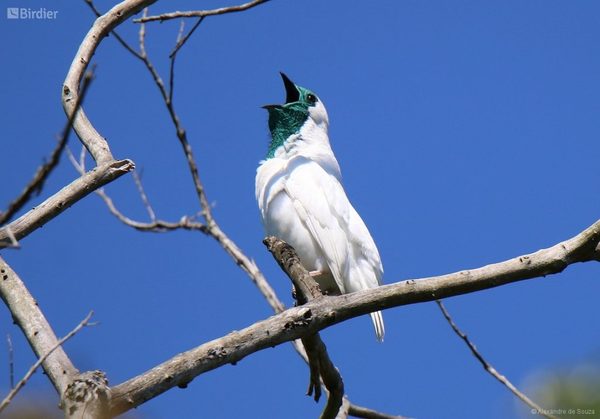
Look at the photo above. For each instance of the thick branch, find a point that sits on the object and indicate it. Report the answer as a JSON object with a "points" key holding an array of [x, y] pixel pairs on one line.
{"points": [[321, 366], [366, 413], [15, 389], [91, 139], [28, 316], [318, 314], [62, 200]]}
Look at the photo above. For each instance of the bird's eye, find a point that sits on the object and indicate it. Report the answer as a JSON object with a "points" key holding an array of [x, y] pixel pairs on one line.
{"points": [[311, 98]]}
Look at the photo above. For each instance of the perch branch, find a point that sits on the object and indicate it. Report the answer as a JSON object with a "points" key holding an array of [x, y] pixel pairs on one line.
{"points": [[366, 413], [323, 312], [490, 368], [201, 13], [320, 364], [15, 389]]}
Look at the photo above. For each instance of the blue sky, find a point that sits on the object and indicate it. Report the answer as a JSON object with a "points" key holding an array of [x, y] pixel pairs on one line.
{"points": [[467, 133]]}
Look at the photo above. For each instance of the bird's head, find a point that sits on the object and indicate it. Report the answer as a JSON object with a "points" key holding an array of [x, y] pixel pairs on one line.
{"points": [[301, 107]]}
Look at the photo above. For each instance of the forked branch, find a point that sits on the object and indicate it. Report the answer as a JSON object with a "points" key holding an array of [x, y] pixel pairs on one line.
{"points": [[325, 311]]}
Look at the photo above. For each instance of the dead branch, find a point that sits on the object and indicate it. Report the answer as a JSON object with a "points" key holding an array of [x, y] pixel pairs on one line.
{"points": [[323, 312], [201, 13], [366, 413], [156, 225], [489, 368], [63, 199], [15, 389], [320, 364], [36, 184], [90, 138], [30, 319]]}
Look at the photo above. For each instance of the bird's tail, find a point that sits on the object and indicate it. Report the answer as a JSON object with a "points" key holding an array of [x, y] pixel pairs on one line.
{"points": [[378, 323]]}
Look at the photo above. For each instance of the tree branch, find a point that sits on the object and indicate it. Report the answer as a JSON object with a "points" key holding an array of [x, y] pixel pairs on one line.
{"points": [[201, 13], [320, 313], [36, 184], [489, 368], [30, 319], [366, 413], [91, 139], [156, 225], [321, 366], [15, 389], [63, 199]]}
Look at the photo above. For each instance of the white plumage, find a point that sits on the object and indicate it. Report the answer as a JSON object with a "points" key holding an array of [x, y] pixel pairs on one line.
{"points": [[302, 201]]}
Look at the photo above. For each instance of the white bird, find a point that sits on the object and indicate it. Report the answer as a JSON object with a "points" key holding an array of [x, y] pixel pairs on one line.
{"points": [[302, 201]]}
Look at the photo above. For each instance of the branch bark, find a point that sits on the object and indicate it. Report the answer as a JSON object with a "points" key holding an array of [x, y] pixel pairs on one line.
{"points": [[323, 312], [15, 389], [30, 319], [91, 139], [320, 364], [63, 199], [201, 13]]}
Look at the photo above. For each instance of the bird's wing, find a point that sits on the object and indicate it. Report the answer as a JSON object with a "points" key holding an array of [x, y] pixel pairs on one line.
{"points": [[270, 180], [321, 204], [364, 250]]}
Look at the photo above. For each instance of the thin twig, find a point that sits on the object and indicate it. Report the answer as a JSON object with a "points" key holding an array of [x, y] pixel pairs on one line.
{"points": [[156, 226], [11, 361], [36, 184], [182, 41], [140, 187], [201, 13], [85, 322], [489, 368]]}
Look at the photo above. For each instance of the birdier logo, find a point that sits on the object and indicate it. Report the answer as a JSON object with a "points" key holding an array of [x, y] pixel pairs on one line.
{"points": [[27, 13]]}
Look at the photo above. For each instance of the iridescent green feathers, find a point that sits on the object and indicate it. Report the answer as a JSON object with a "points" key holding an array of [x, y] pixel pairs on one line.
{"points": [[287, 119]]}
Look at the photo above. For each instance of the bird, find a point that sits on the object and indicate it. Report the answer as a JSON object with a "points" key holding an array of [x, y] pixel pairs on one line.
{"points": [[302, 200]]}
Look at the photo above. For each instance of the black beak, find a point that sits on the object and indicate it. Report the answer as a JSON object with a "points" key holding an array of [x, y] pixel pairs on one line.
{"points": [[291, 92]]}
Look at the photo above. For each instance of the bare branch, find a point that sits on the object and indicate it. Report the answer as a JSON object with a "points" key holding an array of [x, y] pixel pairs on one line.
{"points": [[156, 225], [182, 40], [321, 366], [118, 37], [35, 185], [140, 187], [63, 199], [28, 316], [323, 312], [11, 361], [85, 322], [201, 13], [489, 368], [363, 412], [93, 141]]}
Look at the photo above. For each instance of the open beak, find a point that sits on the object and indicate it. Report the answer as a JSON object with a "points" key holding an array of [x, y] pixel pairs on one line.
{"points": [[291, 92]]}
